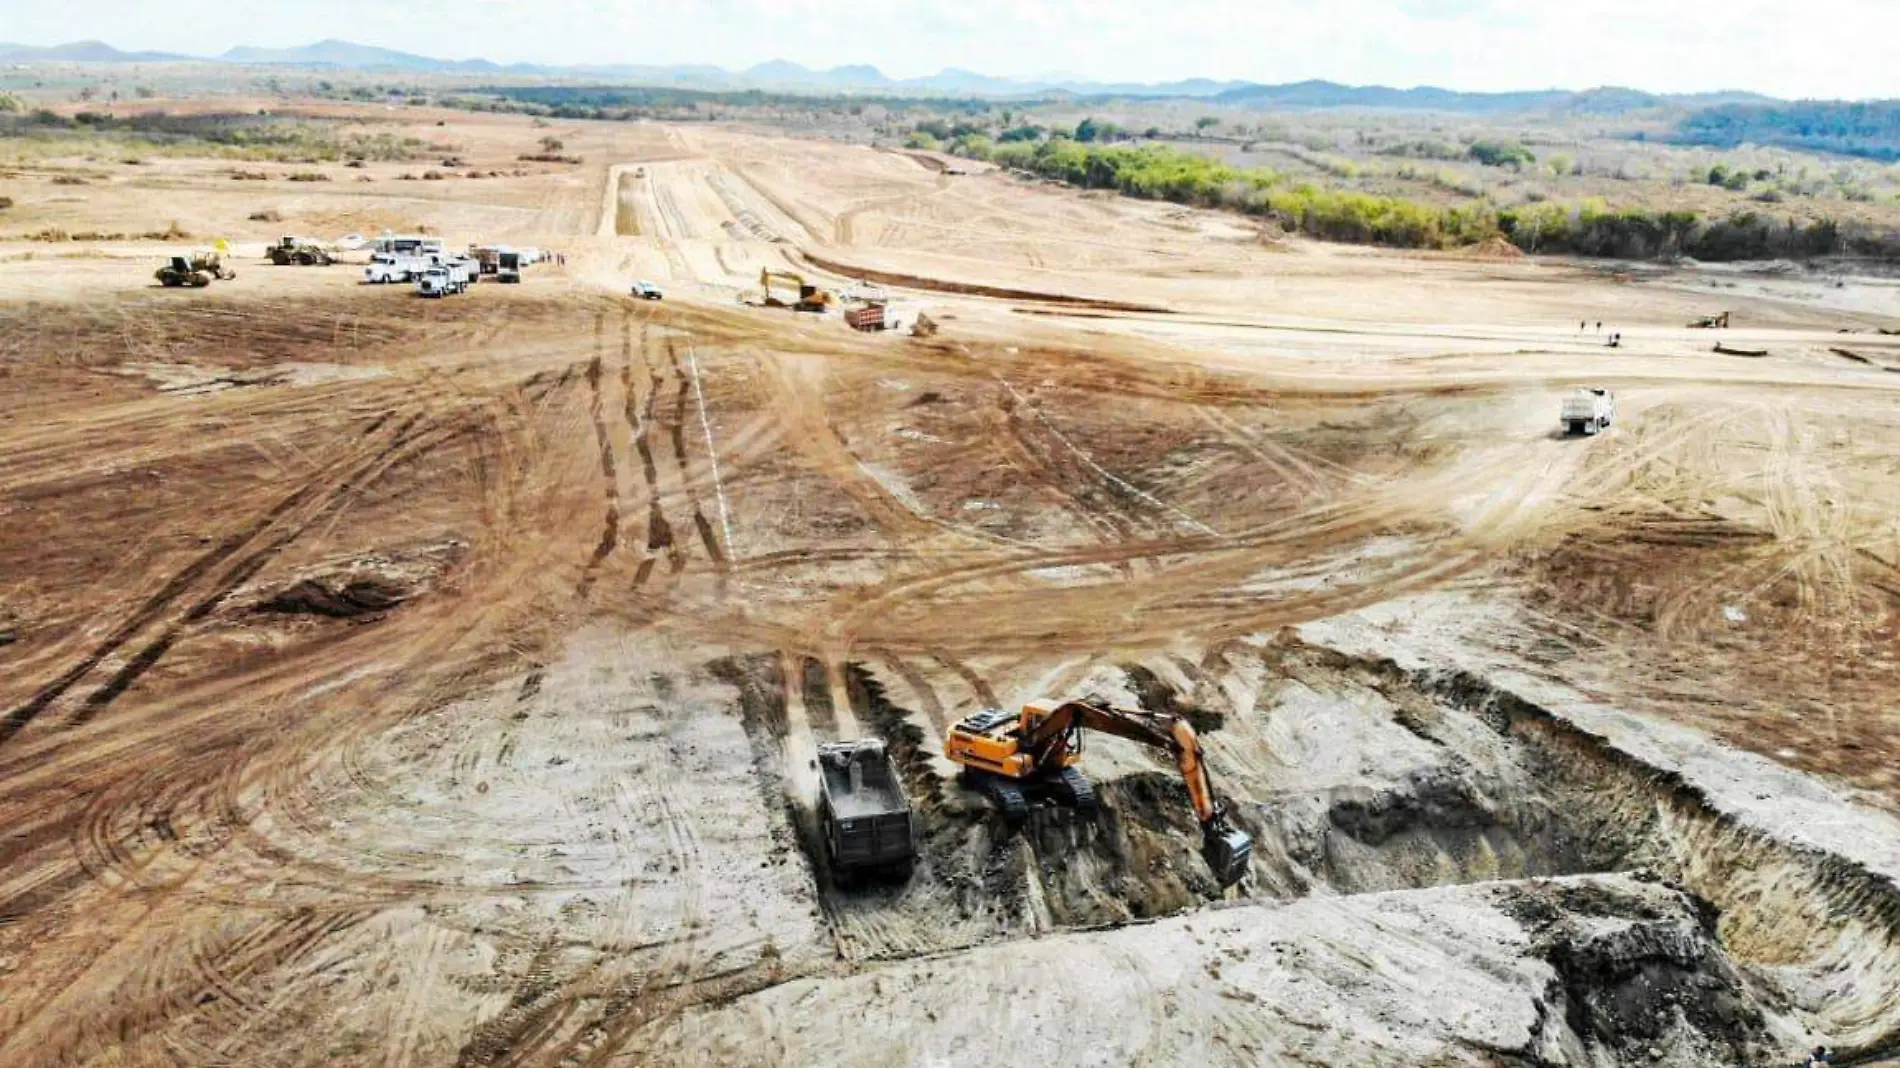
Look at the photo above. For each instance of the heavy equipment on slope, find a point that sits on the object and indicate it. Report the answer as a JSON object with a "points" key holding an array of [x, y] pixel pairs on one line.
{"points": [[811, 298], [299, 251], [1711, 322], [1011, 757], [196, 270]]}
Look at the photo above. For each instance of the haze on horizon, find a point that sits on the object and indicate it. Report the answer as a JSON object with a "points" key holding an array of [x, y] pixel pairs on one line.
{"points": [[1823, 48]]}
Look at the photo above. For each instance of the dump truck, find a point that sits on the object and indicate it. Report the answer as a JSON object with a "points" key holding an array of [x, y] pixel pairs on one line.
{"points": [[1588, 411], [443, 279], [196, 271], [863, 811], [299, 251], [1015, 756], [879, 316]]}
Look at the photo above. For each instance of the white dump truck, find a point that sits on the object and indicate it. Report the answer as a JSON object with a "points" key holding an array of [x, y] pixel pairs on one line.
{"points": [[1588, 410], [443, 279]]}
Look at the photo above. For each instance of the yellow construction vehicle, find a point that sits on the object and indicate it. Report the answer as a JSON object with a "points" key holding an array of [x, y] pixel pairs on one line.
{"points": [[299, 251], [1011, 757], [810, 297], [194, 271]]}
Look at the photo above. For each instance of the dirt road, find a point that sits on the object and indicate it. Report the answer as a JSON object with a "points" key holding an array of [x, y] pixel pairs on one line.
{"points": [[404, 682]]}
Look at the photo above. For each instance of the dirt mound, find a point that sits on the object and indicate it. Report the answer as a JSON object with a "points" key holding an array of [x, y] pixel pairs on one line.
{"points": [[363, 587], [1635, 980], [341, 600], [937, 285], [1494, 248]]}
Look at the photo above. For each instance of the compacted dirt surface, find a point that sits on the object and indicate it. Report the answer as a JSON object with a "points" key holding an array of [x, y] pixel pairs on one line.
{"points": [[404, 682]]}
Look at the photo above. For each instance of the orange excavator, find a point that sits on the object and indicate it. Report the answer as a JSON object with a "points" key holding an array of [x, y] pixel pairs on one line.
{"points": [[1011, 757]]}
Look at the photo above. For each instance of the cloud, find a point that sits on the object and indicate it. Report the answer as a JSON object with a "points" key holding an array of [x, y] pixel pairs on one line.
{"points": [[1814, 48]]}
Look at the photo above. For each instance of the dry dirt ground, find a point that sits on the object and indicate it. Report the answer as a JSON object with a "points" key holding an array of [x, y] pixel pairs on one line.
{"points": [[400, 682]]}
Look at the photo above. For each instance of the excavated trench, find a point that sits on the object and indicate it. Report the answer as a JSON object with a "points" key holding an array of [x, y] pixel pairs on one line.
{"points": [[1356, 776]]}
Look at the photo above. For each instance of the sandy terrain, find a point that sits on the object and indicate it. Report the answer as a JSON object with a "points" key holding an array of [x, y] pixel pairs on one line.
{"points": [[403, 682]]}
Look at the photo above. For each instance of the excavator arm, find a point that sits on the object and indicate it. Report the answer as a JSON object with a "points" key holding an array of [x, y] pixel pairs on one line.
{"points": [[1052, 736]]}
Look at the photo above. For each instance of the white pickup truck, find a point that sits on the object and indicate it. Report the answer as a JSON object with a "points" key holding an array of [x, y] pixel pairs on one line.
{"points": [[1588, 410]]}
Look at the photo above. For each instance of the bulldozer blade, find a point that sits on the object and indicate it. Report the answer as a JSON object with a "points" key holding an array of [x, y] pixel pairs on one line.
{"points": [[1228, 852]]}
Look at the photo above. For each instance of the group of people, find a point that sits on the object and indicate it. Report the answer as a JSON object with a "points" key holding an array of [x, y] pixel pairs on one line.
{"points": [[1616, 339]]}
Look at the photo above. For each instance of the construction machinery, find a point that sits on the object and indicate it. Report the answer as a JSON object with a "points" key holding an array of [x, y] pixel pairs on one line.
{"points": [[1587, 411], [299, 251], [196, 271], [863, 811], [1711, 322], [870, 318], [1013, 757], [811, 298]]}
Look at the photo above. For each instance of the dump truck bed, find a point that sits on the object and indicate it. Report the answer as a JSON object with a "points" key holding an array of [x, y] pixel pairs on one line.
{"points": [[876, 793]]}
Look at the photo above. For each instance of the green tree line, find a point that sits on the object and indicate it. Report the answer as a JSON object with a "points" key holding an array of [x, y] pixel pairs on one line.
{"points": [[1157, 172]]}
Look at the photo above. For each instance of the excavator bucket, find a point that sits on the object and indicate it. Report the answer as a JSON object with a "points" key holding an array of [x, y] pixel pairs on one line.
{"points": [[1228, 851]]}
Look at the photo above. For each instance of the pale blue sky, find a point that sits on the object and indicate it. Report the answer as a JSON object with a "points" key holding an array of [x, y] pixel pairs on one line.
{"points": [[1806, 48]]}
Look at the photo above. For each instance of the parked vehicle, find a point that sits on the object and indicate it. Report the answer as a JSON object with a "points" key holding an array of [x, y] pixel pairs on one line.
{"points": [[442, 280], [508, 266], [387, 267], [647, 291], [880, 316], [195, 271], [300, 251], [408, 245]]}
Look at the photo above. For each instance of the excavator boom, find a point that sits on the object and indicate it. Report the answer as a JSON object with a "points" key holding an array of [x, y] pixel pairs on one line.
{"points": [[1045, 741]]}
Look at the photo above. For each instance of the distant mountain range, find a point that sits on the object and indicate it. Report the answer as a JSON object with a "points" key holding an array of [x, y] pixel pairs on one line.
{"points": [[82, 52], [788, 76]]}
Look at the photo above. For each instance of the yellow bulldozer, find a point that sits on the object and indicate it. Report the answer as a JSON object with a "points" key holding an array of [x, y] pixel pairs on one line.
{"points": [[300, 252], [1013, 757], [196, 271], [811, 298]]}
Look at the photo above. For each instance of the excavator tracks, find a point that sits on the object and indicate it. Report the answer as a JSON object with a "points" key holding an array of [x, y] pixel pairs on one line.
{"points": [[1007, 796], [1076, 791]]}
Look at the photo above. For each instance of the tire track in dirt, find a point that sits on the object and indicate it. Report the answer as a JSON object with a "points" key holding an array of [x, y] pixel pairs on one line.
{"points": [[247, 568], [610, 523], [660, 534], [677, 429], [160, 602]]}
